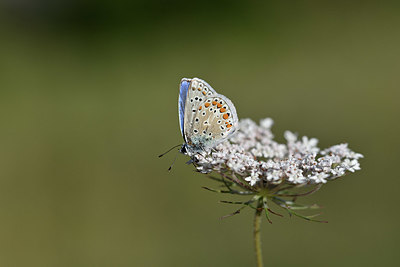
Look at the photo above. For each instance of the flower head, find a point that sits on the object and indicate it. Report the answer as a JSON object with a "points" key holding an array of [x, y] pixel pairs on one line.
{"points": [[253, 154], [258, 165]]}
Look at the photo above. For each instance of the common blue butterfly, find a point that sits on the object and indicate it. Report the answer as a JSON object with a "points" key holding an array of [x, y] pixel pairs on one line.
{"points": [[206, 118]]}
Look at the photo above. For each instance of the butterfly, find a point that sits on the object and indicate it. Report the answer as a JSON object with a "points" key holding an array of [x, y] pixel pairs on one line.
{"points": [[206, 118]]}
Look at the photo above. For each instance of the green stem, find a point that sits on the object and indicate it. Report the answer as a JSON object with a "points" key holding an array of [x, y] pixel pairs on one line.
{"points": [[257, 237]]}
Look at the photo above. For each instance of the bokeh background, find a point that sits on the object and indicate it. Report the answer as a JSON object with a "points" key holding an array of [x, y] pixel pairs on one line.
{"points": [[88, 99]]}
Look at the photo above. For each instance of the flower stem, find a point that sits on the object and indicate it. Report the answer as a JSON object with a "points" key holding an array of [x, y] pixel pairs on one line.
{"points": [[257, 237]]}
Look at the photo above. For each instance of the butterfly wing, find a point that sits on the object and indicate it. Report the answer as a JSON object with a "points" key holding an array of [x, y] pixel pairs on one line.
{"points": [[184, 87], [209, 118]]}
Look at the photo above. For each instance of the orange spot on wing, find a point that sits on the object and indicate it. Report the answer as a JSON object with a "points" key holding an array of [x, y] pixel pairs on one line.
{"points": [[222, 110], [200, 107], [229, 126], [214, 103], [226, 116], [199, 89], [219, 105], [204, 93], [207, 105]]}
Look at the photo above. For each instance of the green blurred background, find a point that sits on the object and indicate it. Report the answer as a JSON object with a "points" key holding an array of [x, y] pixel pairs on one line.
{"points": [[88, 99]]}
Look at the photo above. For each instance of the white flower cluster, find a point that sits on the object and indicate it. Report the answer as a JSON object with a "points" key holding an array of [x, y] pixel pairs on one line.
{"points": [[253, 155]]}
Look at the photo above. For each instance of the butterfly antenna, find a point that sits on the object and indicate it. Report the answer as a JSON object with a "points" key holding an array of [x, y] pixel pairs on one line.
{"points": [[169, 150], [170, 167]]}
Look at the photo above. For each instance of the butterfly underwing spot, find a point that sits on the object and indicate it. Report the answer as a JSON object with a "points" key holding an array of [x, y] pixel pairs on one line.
{"points": [[196, 120], [219, 122], [195, 131], [207, 105], [194, 85]]}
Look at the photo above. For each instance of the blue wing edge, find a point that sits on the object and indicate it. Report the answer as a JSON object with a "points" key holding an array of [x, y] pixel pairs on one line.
{"points": [[184, 87]]}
